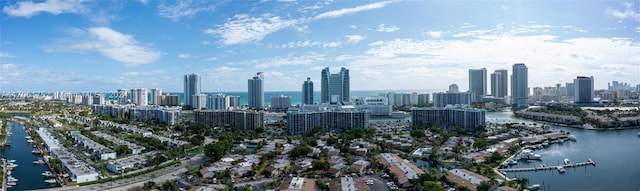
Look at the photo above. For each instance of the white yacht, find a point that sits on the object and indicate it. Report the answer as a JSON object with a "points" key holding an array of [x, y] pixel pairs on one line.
{"points": [[529, 155], [534, 187], [560, 169], [567, 161], [51, 181], [47, 173]]}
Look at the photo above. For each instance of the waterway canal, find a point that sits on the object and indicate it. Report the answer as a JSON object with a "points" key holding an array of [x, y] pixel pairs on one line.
{"points": [[28, 175], [616, 154]]}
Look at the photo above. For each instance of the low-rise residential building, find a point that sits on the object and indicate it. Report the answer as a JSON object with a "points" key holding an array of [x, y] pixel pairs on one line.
{"points": [[465, 178], [348, 184], [129, 163], [360, 166], [135, 149], [297, 184], [99, 151], [402, 168], [79, 171]]}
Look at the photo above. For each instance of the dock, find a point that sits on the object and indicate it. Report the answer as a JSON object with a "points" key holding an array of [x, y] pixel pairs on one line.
{"points": [[544, 167]]}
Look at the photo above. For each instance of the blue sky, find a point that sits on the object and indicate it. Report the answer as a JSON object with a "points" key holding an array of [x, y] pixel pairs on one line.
{"points": [[78, 45]]}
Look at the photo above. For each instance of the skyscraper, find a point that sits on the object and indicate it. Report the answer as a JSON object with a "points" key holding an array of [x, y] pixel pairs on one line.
{"points": [[520, 86], [139, 96], [499, 84], [156, 96], [570, 89], [122, 96], [256, 91], [191, 87], [583, 90], [307, 91], [334, 87], [477, 84]]}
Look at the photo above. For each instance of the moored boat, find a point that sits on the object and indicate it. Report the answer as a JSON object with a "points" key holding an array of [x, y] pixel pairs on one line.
{"points": [[567, 161], [51, 181], [534, 187], [529, 155], [38, 162], [12, 179], [560, 169], [47, 173]]}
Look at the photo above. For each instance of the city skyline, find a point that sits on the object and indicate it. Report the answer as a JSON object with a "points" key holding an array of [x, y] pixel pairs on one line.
{"points": [[99, 46]]}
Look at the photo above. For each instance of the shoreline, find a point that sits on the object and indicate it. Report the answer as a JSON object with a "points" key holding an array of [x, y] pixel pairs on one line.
{"points": [[581, 126]]}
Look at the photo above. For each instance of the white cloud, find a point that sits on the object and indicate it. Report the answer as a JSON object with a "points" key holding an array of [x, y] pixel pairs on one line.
{"points": [[130, 74], [117, 46], [354, 26], [304, 60], [504, 7], [6, 55], [354, 38], [55, 7], [184, 8], [628, 13], [337, 13], [434, 34], [187, 56], [244, 28], [467, 25], [211, 59], [308, 43], [382, 28], [542, 53]]}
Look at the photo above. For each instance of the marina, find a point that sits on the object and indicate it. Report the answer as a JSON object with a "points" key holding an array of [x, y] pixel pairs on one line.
{"points": [[20, 163], [612, 150], [545, 167]]}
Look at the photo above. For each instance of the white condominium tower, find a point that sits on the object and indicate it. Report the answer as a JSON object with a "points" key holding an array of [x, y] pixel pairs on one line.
{"points": [[139, 96], [156, 96]]}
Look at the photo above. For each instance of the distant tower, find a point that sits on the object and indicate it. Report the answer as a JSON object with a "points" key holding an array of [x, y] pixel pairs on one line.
{"points": [[583, 91], [156, 96], [499, 86], [191, 88], [570, 88], [122, 96], [453, 88], [477, 84], [139, 96], [307, 91], [334, 88], [256, 91], [558, 92], [520, 86]]}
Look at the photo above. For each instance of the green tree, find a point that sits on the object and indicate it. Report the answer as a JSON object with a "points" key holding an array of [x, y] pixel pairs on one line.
{"points": [[300, 151], [431, 186], [417, 133], [484, 186]]}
